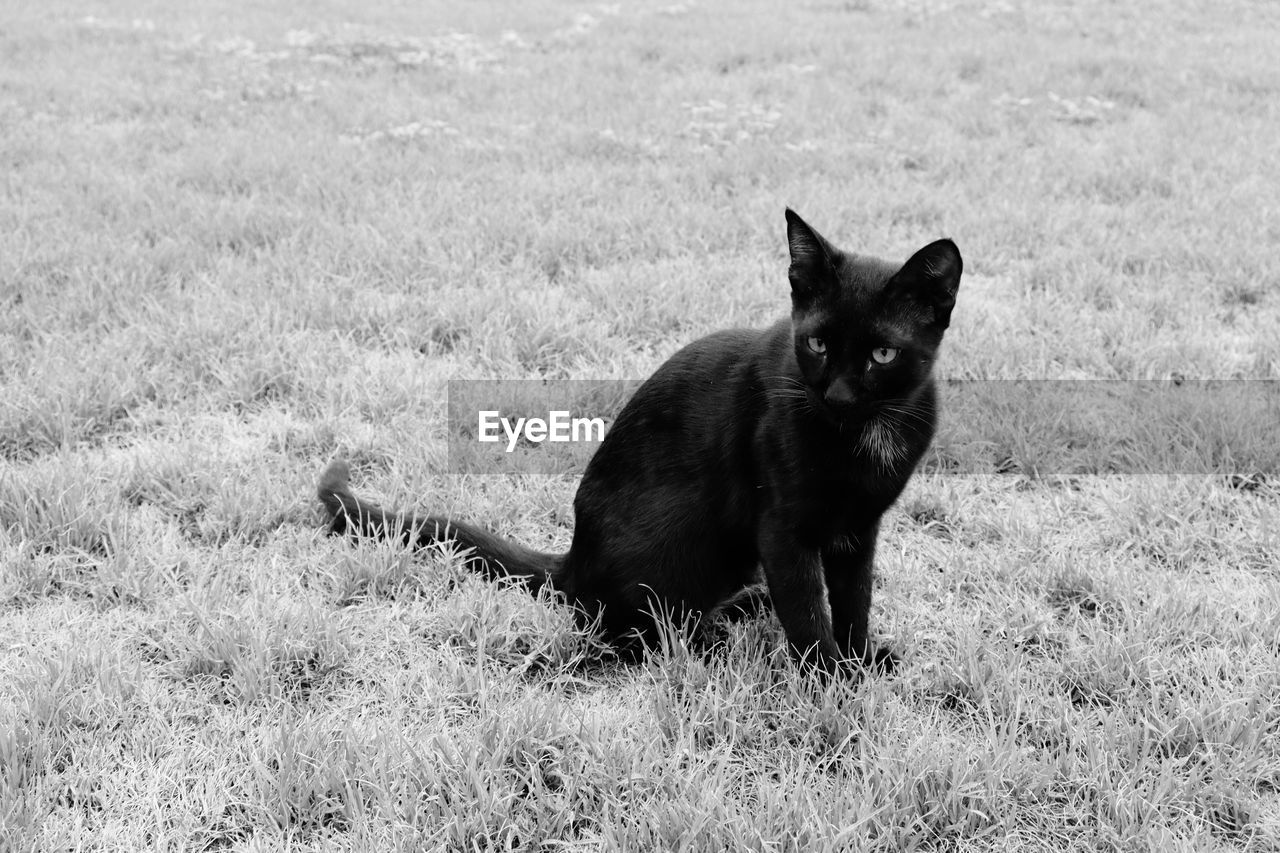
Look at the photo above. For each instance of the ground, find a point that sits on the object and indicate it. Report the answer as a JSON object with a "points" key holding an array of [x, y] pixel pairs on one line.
{"points": [[237, 241]]}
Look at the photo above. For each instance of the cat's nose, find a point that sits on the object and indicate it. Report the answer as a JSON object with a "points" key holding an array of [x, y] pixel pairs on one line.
{"points": [[839, 395]]}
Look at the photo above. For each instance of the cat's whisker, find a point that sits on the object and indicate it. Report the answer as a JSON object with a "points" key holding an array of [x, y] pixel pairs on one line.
{"points": [[904, 423], [789, 380], [790, 391], [903, 414], [797, 401], [906, 405]]}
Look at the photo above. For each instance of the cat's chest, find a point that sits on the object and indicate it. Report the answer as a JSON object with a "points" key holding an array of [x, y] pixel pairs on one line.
{"points": [[826, 510], [837, 481], [837, 498], [853, 501]]}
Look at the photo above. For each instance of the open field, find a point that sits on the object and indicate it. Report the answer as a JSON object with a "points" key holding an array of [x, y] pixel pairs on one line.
{"points": [[237, 241]]}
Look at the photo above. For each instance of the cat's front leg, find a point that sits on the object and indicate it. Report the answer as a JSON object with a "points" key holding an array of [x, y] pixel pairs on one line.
{"points": [[847, 568], [794, 574]]}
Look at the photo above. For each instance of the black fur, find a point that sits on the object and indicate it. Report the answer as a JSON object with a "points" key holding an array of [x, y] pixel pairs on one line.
{"points": [[778, 448]]}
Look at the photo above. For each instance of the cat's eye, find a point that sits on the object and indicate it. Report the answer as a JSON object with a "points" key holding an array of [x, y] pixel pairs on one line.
{"points": [[884, 355], [818, 345]]}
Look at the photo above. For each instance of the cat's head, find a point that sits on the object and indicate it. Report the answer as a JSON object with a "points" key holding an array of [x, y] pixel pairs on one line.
{"points": [[867, 331]]}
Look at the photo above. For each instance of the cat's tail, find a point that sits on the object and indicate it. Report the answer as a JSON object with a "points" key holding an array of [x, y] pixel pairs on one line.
{"points": [[482, 550]]}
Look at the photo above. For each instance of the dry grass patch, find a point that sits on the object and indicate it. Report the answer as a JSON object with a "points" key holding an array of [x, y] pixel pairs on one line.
{"points": [[236, 242]]}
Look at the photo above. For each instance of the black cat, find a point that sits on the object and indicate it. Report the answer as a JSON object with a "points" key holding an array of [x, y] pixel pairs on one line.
{"points": [[778, 448]]}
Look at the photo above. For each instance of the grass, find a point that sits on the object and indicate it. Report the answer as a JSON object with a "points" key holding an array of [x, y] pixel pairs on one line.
{"points": [[236, 241]]}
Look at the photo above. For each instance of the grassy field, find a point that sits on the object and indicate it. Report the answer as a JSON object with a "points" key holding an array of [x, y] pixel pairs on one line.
{"points": [[237, 241]]}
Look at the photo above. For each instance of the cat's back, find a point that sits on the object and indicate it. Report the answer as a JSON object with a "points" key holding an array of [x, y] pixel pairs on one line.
{"points": [[695, 407], [712, 369], [676, 462]]}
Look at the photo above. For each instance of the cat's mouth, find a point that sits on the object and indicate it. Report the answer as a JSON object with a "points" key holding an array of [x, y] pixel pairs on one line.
{"points": [[847, 416]]}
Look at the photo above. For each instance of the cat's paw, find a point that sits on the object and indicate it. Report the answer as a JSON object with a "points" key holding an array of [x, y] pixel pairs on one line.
{"points": [[882, 661]]}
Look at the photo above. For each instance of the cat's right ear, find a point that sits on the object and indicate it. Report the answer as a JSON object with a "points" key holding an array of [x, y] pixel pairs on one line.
{"points": [[931, 277], [811, 271]]}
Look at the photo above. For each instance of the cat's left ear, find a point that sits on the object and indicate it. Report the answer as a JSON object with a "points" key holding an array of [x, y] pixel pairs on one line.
{"points": [[811, 272], [932, 277]]}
